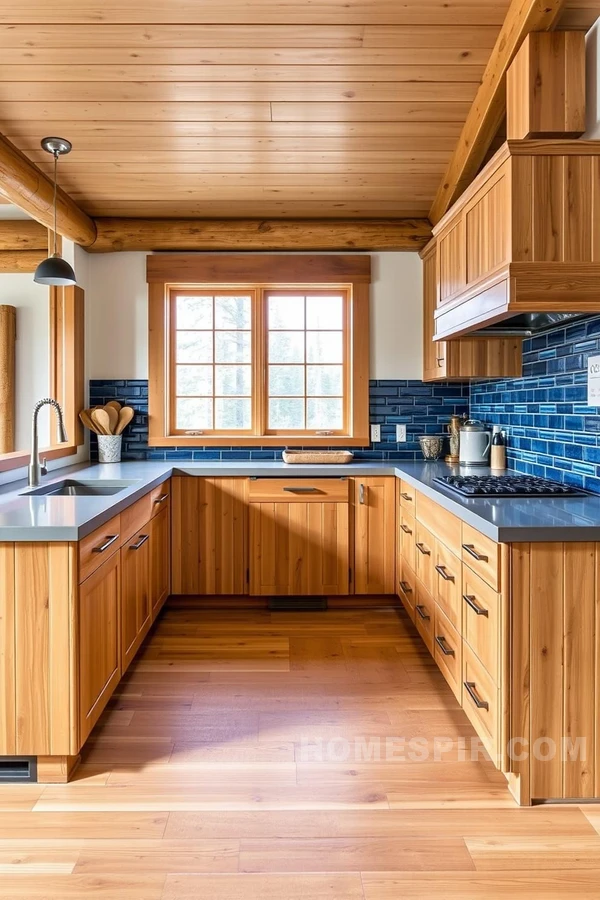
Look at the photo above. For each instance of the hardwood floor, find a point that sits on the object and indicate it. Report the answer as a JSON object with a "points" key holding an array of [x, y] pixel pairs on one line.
{"points": [[250, 755]]}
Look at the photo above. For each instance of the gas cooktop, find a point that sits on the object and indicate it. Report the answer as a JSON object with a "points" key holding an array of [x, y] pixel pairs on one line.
{"points": [[506, 486]]}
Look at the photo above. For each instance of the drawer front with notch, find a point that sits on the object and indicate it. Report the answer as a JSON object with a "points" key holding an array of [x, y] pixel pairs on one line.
{"points": [[294, 490], [447, 652], [96, 547], [482, 555], [425, 615], [425, 549], [160, 497], [448, 570], [481, 621]]}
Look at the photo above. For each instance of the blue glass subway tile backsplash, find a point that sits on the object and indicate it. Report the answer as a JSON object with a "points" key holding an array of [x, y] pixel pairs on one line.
{"points": [[423, 408], [551, 430]]}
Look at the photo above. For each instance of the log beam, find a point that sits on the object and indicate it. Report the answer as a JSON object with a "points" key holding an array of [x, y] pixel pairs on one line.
{"points": [[27, 186], [488, 108], [21, 260], [22, 234], [259, 235]]}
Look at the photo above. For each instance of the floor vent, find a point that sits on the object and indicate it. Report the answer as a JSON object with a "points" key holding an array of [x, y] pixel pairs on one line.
{"points": [[297, 604], [18, 768]]}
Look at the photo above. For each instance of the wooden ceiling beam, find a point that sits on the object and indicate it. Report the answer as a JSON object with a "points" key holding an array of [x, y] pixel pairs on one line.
{"points": [[22, 234], [26, 186], [259, 235], [12, 261], [488, 108]]}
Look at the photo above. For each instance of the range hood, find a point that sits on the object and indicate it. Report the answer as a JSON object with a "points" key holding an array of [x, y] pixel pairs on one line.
{"points": [[528, 324]]}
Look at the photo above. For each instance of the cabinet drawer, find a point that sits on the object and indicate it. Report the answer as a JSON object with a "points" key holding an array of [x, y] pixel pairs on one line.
{"points": [[135, 517], [408, 538], [160, 498], [481, 621], [448, 593], [447, 652], [98, 546], [425, 615], [481, 701], [425, 548], [440, 522], [300, 490], [408, 588], [482, 555], [407, 497]]}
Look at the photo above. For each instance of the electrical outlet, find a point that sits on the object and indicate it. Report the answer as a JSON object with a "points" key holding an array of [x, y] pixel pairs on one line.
{"points": [[400, 434], [375, 434]]}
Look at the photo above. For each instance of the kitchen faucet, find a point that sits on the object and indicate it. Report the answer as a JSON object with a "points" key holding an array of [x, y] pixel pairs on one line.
{"points": [[37, 468]]}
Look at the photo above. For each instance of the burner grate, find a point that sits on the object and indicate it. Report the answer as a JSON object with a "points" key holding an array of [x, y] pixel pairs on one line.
{"points": [[506, 486]]}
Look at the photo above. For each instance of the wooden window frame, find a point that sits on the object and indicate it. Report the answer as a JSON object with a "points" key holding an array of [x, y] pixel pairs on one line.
{"points": [[263, 272]]}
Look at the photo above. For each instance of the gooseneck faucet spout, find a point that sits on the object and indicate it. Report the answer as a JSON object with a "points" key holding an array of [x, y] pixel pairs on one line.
{"points": [[37, 468]]}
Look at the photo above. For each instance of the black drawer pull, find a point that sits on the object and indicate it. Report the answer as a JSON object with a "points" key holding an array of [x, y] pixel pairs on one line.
{"points": [[407, 497], [470, 548], [478, 610], [110, 539], [406, 587], [422, 614], [142, 540], [162, 498], [441, 570], [441, 642], [470, 688], [302, 490], [423, 549], [406, 529]]}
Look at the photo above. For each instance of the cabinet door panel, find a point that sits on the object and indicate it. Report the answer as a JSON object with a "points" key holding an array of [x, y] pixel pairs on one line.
{"points": [[99, 651], [374, 522], [209, 535], [160, 560], [135, 594], [299, 548]]}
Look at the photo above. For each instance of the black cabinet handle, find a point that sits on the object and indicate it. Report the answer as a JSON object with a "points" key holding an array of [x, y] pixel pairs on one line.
{"points": [[406, 529], [479, 703], [441, 570], [470, 548], [142, 540], [423, 549], [302, 490], [478, 610], [422, 614], [406, 587], [162, 498], [406, 496], [110, 539], [441, 642]]}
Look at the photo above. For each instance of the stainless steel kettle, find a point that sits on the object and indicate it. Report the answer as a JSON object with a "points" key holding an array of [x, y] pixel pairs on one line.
{"points": [[475, 442]]}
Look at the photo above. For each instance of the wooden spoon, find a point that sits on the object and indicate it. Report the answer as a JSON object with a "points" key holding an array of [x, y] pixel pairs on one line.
{"points": [[101, 419], [125, 417], [115, 405], [113, 416], [87, 420]]}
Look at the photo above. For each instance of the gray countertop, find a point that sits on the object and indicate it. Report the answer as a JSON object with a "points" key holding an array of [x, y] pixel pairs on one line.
{"points": [[49, 518]]}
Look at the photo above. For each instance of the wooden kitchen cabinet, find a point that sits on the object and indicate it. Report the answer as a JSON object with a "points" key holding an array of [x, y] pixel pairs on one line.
{"points": [[99, 646], [374, 535], [299, 537], [160, 559], [209, 535], [135, 594]]}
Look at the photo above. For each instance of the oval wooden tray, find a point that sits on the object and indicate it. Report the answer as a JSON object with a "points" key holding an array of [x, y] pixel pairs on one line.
{"points": [[318, 457]]}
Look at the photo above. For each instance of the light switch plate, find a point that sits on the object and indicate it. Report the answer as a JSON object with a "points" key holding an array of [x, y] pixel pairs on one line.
{"points": [[400, 434], [375, 434]]}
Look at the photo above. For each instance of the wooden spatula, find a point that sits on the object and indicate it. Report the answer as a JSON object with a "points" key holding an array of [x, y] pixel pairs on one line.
{"points": [[102, 421], [115, 405], [87, 420], [125, 417], [113, 415]]}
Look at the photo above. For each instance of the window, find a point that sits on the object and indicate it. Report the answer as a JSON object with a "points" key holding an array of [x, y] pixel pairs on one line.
{"points": [[258, 363]]}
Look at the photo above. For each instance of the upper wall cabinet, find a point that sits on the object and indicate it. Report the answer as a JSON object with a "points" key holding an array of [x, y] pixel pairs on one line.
{"points": [[521, 238], [467, 357]]}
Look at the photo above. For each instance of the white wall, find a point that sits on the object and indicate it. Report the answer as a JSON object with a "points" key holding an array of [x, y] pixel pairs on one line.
{"points": [[117, 318]]}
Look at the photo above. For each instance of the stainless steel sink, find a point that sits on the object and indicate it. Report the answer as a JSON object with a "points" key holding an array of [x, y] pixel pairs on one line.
{"points": [[74, 488]]}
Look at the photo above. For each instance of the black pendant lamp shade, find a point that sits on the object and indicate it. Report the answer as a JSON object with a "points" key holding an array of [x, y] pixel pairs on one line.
{"points": [[55, 270]]}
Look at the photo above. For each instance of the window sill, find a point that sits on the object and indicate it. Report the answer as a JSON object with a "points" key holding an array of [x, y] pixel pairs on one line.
{"points": [[279, 440]]}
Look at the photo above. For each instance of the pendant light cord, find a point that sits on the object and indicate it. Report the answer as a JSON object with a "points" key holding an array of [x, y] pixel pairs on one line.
{"points": [[55, 163]]}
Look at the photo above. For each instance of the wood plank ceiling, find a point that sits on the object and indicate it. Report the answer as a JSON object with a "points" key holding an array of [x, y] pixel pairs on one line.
{"points": [[234, 108]]}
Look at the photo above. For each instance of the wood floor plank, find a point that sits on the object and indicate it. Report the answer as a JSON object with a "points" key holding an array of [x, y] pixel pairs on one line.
{"points": [[205, 856], [482, 886], [75, 887], [264, 887], [81, 824], [529, 852]]}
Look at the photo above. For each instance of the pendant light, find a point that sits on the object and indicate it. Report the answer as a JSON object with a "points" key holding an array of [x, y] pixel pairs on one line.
{"points": [[55, 270]]}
